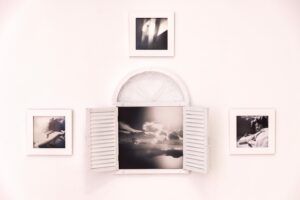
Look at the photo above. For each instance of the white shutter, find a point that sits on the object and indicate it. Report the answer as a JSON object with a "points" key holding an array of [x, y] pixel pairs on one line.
{"points": [[195, 149], [102, 125]]}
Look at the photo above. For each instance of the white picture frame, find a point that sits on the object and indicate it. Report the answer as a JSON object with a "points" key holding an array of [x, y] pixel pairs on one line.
{"points": [[43, 140], [165, 47], [252, 131]]}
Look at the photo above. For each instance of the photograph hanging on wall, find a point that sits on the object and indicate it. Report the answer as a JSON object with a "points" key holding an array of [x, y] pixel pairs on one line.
{"points": [[150, 137], [252, 131], [151, 34], [49, 132]]}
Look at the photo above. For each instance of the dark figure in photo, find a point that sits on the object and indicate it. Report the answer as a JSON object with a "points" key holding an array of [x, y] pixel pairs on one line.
{"points": [[151, 33], [54, 136], [252, 131]]}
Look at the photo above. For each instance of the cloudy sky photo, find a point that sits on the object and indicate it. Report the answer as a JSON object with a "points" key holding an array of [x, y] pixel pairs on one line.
{"points": [[150, 138]]}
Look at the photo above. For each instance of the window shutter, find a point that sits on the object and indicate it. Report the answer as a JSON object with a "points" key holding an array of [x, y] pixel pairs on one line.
{"points": [[195, 149], [102, 125]]}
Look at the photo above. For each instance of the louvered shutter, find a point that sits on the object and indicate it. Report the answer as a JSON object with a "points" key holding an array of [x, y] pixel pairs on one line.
{"points": [[102, 130], [195, 147]]}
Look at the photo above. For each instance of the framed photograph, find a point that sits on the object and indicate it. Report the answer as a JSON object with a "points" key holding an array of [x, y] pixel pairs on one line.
{"points": [[49, 132], [252, 131], [150, 138], [151, 33]]}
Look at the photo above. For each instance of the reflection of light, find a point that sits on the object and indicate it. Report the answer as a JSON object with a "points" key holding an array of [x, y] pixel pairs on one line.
{"points": [[169, 117], [168, 162], [163, 26], [148, 29], [163, 125]]}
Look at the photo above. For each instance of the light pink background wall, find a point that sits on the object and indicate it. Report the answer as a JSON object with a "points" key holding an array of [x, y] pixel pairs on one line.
{"points": [[72, 53]]}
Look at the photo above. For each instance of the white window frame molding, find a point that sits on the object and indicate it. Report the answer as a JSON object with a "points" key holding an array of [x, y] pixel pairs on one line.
{"points": [[184, 103], [175, 78]]}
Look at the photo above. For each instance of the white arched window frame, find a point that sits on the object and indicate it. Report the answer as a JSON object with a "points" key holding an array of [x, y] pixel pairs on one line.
{"points": [[148, 88]]}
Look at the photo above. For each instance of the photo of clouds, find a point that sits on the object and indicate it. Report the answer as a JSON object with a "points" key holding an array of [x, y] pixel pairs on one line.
{"points": [[150, 138], [151, 33]]}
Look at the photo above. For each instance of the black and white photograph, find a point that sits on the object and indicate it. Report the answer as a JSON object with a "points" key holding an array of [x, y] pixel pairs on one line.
{"points": [[252, 131], [49, 132], [150, 137], [152, 33]]}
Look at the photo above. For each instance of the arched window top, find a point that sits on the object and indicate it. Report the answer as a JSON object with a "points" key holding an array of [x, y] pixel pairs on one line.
{"points": [[150, 88]]}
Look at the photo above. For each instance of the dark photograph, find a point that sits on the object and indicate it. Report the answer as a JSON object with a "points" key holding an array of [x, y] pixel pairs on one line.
{"points": [[151, 33], [48, 132], [150, 138], [252, 131]]}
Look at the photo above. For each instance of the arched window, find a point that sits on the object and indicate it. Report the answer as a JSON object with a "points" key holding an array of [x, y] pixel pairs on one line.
{"points": [[150, 129], [151, 87]]}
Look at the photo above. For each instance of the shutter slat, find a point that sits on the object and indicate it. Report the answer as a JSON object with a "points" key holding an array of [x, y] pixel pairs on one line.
{"points": [[102, 137], [102, 114], [195, 127], [95, 148], [108, 125], [197, 163], [103, 121], [195, 120], [196, 168], [195, 156], [102, 145], [103, 153], [193, 110], [103, 159], [103, 167], [195, 139], [110, 149], [105, 131], [102, 130], [195, 135], [196, 143], [95, 142], [195, 149], [194, 117]]}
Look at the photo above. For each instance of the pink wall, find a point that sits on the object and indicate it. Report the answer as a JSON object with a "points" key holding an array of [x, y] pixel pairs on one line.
{"points": [[72, 53]]}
